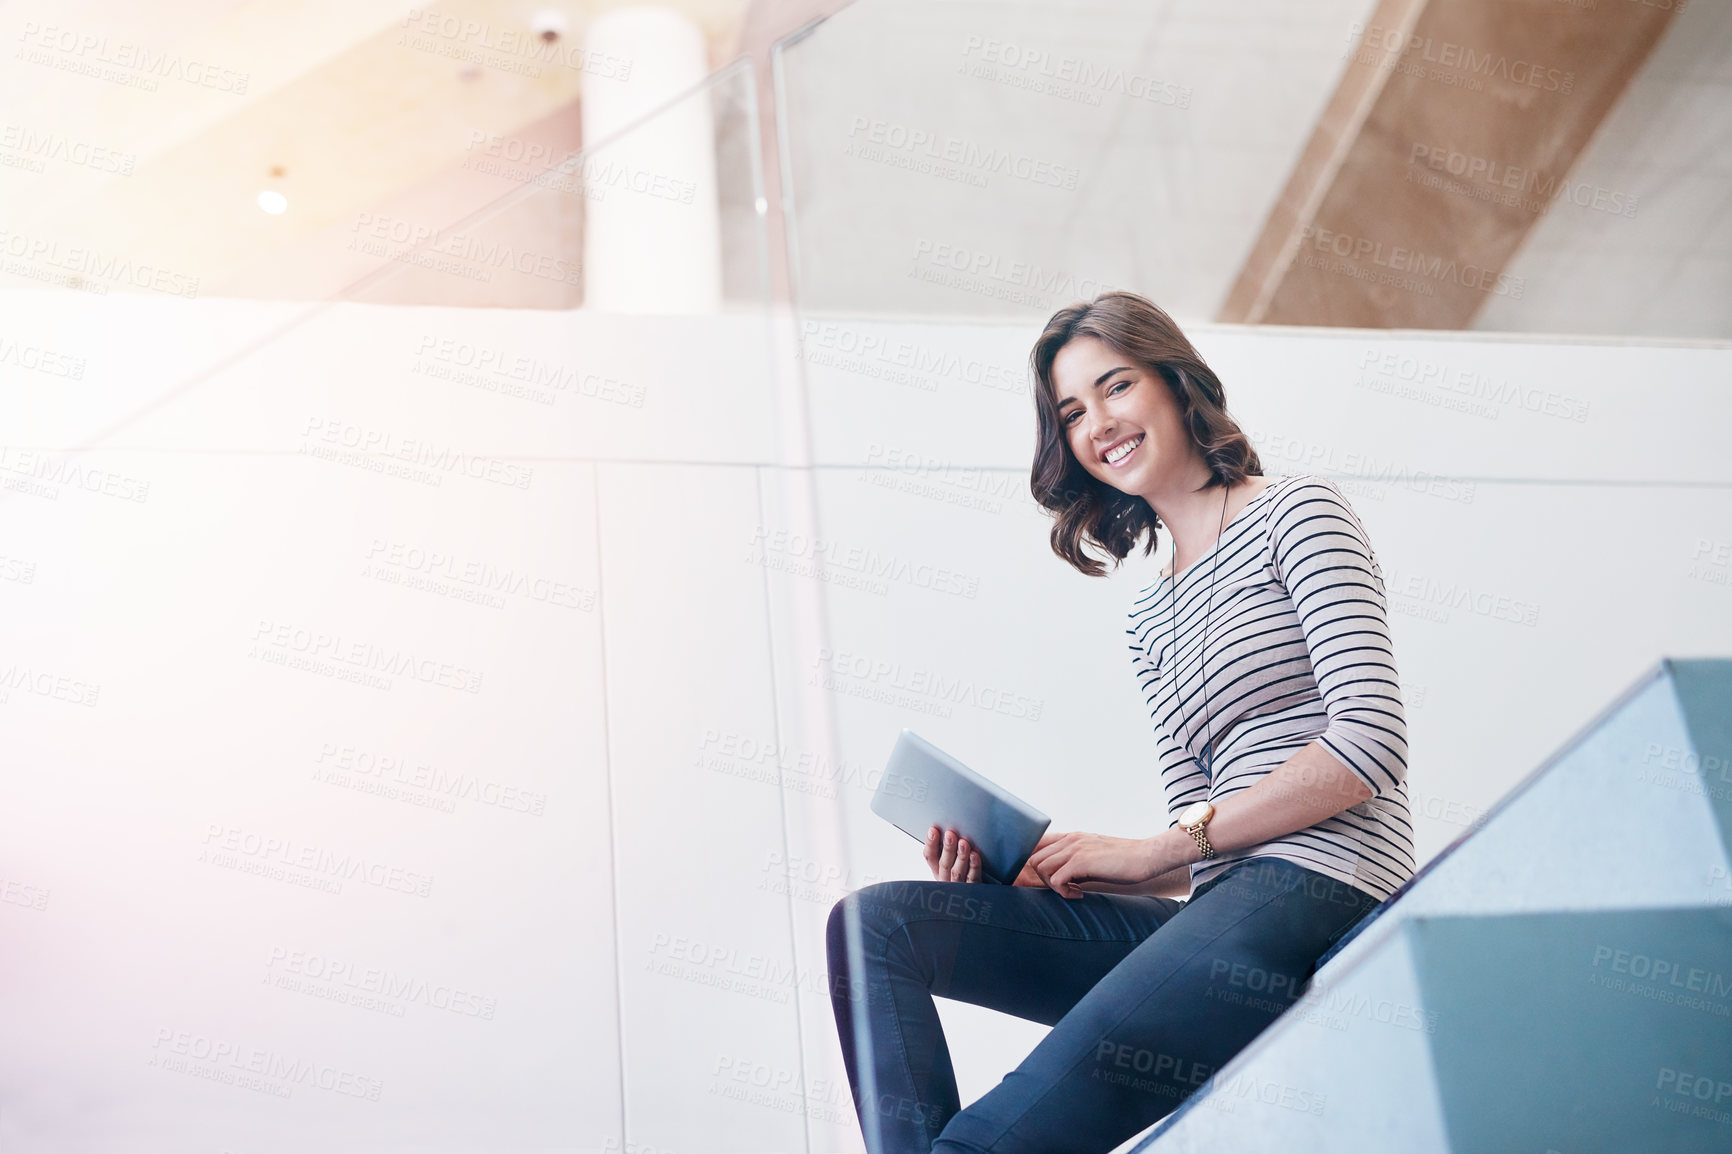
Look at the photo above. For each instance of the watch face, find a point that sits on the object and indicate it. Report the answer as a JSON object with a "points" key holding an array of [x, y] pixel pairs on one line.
{"points": [[1194, 813]]}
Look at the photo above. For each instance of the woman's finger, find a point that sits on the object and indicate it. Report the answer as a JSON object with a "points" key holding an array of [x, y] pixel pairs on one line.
{"points": [[959, 872], [947, 858], [930, 851], [1050, 861], [1061, 882], [974, 867], [1045, 854]]}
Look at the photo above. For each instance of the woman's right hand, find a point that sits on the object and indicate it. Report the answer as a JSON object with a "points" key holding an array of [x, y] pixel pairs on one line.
{"points": [[951, 857]]}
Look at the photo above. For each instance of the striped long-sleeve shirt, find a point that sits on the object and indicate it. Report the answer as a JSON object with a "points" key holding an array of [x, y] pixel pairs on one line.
{"points": [[1298, 651]]}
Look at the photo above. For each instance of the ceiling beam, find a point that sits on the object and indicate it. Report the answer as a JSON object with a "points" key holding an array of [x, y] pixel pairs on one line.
{"points": [[1453, 128]]}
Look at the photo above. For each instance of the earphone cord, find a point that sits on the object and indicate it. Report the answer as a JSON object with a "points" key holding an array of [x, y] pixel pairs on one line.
{"points": [[1203, 652]]}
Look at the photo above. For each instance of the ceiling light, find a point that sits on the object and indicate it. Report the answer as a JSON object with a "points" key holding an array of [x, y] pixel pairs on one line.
{"points": [[549, 24], [273, 202]]}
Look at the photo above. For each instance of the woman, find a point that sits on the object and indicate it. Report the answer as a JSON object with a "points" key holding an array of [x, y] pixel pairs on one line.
{"points": [[1263, 653]]}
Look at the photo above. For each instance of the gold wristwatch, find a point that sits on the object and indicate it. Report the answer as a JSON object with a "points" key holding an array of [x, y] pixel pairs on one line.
{"points": [[1192, 821]]}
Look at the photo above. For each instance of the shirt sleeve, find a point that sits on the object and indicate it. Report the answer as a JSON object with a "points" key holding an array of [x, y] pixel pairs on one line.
{"points": [[1322, 557]]}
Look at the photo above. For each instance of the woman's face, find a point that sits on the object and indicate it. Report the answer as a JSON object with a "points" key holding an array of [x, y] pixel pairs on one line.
{"points": [[1121, 420]]}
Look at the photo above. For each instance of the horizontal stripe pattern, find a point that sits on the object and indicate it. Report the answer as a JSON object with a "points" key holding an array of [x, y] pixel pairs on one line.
{"points": [[1298, 651]]}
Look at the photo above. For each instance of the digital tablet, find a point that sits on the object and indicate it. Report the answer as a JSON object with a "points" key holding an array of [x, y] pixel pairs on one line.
{"points": [[924, 787]]}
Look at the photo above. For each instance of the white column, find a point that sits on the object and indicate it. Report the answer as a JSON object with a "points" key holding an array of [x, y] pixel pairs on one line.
{"points": [[652, 230]]}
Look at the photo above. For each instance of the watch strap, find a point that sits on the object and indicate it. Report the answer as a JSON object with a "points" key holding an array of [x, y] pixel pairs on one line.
{"points": [[1202, 840]]}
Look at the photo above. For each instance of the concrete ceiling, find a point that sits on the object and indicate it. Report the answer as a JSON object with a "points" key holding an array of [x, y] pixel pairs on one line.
{"points": [[1172, 198]]}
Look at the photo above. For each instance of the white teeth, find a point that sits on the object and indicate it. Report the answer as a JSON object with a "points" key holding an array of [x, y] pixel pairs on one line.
{"points": [[1118, 454]]}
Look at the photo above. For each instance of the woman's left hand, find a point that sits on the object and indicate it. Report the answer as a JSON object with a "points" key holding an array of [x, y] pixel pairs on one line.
{"points": [[1080, 857]]}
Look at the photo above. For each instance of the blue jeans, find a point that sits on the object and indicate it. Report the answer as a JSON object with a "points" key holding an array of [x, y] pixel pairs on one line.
{"points": [[1147, 997]]}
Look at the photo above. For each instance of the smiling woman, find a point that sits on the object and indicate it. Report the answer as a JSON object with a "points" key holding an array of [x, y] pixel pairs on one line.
{"points": [[1263, 654], [1139, 346]]}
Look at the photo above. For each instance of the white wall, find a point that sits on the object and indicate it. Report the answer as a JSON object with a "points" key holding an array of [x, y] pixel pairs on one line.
{"points": [[666, 903], [568, 870]]}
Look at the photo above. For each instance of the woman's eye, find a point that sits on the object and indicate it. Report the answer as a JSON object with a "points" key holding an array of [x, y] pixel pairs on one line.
{"points": [[1115, 387]]}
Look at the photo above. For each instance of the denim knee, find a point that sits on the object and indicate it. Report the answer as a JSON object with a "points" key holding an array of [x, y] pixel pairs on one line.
{"points": [[873, 911], [875, 920], [836, 937]]}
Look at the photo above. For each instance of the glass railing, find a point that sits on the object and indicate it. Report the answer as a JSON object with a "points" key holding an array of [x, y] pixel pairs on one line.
{"points": [[404, 676], [454, 649]]}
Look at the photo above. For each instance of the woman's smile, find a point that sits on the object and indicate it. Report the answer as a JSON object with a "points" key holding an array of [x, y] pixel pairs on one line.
{"points": [[1119, 451]]}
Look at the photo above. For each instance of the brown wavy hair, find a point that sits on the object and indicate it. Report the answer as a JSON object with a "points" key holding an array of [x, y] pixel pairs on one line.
{"points": [[1087, 511]]}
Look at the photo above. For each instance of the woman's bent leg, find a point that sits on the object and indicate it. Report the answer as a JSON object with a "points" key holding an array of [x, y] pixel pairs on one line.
{"points": [[1178, 1007], [1021, 950]]}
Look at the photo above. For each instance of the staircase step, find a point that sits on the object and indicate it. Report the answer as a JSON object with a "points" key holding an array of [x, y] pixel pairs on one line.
{"points": [[1498, 987]]}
